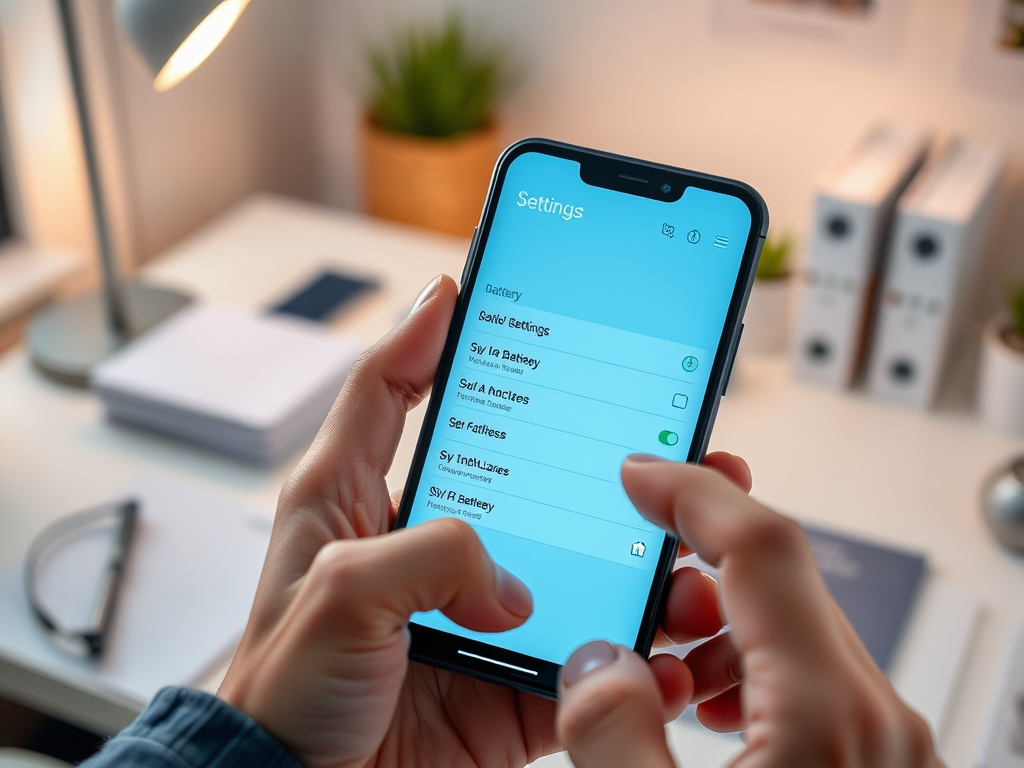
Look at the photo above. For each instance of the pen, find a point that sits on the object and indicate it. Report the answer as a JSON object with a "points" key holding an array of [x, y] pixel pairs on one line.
{"points": [[106, 601]]}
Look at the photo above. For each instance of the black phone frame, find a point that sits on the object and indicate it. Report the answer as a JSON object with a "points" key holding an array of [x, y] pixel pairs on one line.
{"points": [[631, 176]]}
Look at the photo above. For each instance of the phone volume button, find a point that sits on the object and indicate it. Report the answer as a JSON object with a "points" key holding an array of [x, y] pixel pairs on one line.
{"points": [[469, 260], [732, 361]]}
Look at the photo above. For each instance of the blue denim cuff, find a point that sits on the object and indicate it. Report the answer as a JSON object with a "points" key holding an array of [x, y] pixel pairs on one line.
{"points": [[186, 728]]}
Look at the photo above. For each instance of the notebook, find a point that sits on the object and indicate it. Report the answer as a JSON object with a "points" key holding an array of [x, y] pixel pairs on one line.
{"points": [[874, 584]]}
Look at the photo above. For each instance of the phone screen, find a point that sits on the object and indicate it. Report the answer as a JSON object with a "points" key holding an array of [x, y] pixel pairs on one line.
{"points": [[593, 323]]}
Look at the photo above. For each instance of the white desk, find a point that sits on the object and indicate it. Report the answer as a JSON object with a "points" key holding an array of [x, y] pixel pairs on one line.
{"points": [[843, 461], [58, 454]]}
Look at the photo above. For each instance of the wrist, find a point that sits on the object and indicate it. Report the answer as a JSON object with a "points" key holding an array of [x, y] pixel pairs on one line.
{"points": [[236, 690]]}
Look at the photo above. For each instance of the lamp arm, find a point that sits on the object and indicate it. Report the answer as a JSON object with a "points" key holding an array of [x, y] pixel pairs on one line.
{"points": [[113, 293]]}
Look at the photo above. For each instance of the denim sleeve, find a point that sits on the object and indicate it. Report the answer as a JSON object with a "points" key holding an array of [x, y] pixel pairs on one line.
{"points": [[185, 728]]}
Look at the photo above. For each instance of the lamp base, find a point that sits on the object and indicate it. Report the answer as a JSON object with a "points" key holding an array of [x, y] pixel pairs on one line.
{"points": [[68, 339]]}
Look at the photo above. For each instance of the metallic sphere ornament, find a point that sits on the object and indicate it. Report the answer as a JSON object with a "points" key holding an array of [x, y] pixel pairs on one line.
{"points": [[1003, 505]]}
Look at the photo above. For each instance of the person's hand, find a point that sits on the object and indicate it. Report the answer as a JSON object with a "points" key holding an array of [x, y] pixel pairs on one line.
{"points": [[323, 663], [791, 672]]}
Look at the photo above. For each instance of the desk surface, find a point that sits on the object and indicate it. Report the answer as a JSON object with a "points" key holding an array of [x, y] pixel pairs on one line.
{"points": [[842, 460]]}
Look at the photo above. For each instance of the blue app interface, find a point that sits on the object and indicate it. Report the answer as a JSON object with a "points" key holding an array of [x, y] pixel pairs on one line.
{"points": [[591, 332]]}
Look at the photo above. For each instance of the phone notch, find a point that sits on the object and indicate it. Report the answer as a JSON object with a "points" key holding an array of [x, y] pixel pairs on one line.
{"points": [[632, 178]]}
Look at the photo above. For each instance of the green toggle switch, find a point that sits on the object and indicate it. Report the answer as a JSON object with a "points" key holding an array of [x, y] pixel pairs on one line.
{"points": [[668, 438]]}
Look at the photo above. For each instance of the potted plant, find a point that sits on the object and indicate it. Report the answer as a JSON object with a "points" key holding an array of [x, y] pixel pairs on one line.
{"points": [[1001, 389], [429, 134], [767, 316]]}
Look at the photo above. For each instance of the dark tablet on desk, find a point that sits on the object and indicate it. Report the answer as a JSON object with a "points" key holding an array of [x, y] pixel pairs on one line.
{"points": [[325, 295]]}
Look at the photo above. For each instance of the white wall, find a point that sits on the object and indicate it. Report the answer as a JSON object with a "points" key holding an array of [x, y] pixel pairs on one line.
{"points": [[47, 171], [274, 107], [654, 78], [171, 161], [241, 122]]}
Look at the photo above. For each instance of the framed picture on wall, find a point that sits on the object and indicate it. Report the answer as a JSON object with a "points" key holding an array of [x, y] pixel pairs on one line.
{"points": [[871, 29], [994, 48]]}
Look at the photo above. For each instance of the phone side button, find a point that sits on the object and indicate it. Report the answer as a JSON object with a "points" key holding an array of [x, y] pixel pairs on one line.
{"points": [[732, 360], [505, 664], [469, 260]]}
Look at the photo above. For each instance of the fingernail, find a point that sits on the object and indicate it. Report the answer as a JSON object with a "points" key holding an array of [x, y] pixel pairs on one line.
{"points": [[586, 659], [425, 294], [644, 458], [721, 598], [513, 595]]}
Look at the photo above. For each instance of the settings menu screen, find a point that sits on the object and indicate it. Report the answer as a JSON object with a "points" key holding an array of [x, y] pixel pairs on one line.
{"points": [[594, 322]]}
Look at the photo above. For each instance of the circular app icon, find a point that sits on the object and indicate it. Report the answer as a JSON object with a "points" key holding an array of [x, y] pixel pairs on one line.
{"points": [[689, 363], [693, 236]]}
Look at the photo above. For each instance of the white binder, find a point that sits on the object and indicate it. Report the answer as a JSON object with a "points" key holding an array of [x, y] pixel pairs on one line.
{"points": [[853, 209], [942, 223]]}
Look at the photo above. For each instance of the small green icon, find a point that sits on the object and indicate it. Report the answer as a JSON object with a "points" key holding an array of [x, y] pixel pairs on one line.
{"points": [[668, 438], [689, 363]]}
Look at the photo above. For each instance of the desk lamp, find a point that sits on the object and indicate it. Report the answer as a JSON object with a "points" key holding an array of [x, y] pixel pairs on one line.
{"points": [[172, 37]]}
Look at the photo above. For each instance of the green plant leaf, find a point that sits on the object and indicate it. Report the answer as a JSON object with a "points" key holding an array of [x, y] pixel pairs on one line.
{"points": [[774, 260], [433, 82]]}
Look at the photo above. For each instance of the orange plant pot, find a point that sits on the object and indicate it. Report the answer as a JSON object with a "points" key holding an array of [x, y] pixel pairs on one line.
{"points": [[439, 184]]}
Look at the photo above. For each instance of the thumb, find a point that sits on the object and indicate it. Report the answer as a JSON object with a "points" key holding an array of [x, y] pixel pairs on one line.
{"points": [[374, 585], [610, 710]]}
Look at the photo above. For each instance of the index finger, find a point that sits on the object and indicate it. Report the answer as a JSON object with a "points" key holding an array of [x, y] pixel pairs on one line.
{"points": [[771, 587]]}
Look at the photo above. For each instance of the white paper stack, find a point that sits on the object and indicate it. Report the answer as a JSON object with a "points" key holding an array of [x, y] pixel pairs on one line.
{"points": [[253, 386]]}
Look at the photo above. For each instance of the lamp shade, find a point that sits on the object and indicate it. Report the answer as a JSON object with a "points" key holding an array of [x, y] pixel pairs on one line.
{"points": [[173, 37]]}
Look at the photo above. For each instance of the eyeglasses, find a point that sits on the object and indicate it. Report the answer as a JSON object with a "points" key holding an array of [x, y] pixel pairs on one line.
{"points": [[90, 640]]}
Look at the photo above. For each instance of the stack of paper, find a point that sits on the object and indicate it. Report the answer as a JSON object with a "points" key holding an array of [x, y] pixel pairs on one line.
{"points": [[249, 385]]}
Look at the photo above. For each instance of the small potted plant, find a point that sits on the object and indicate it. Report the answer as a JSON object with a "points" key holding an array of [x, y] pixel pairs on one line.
{"points": [[1001, 388], [429, 134], [767, 316]]}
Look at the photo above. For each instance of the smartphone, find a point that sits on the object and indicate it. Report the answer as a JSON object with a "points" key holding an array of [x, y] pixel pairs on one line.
{"points": [[599, 315]]}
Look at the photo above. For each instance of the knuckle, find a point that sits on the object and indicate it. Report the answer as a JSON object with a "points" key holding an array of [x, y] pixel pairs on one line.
{"points": [[769, 531], [694, 487], [697, 481], [698, 486], [360, 376], [362, 367], [458, 537], [334, 574]]}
